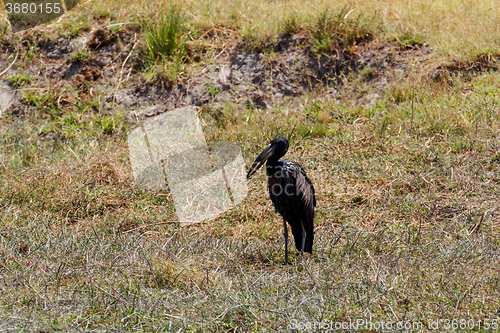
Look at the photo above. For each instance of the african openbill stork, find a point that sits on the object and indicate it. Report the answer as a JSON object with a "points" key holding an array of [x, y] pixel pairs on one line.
{"points": [[292, 193]]}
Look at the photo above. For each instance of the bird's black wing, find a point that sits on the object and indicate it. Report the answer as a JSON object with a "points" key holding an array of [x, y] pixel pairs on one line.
{"points": [[305, 191], [306, 200]]}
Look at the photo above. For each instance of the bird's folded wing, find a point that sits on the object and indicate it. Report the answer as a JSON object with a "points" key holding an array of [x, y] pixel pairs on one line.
{"points": [[305, 191]]}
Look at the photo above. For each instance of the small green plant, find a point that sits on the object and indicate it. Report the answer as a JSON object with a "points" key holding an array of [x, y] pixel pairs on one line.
{"points": [[45, 100], [31, 52], [213, 91], [73, 29], [68, 125], [411, 39], [366, 71], [314, 107], [105, 124], [80, 56], [19, 80]]}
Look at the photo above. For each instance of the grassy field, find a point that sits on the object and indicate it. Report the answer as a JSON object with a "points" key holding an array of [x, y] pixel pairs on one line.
{"points": [[401, 144]]}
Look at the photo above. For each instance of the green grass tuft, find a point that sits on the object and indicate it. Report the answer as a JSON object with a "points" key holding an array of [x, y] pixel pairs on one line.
{"points": [[163, 34], [333, 30]]}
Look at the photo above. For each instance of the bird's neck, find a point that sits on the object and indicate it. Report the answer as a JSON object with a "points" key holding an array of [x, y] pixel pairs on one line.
{"points": [[273, 165]]}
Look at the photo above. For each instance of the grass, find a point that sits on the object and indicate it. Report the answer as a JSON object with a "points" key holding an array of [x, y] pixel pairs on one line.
{"points": [[406, 226], [19, 80], [164, 39], [330, 29], [455, 28], [80, 56], [290, 23], [407, 222]]}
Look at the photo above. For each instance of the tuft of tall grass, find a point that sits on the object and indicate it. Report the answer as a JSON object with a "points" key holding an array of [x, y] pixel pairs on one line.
{"points": [[330, 30], [290, 23], [164, 35]]}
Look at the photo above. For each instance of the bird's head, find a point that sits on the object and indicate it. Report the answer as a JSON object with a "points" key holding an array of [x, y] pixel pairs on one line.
{"points": [[276, 149]]}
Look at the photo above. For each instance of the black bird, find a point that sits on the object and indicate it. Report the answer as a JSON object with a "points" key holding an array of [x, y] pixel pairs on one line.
{"points": [[292, 193]]}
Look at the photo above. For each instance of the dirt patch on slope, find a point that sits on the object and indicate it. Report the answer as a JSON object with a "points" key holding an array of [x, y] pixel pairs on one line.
{"points": [[284, 68], [287, 68], [482, 63]]}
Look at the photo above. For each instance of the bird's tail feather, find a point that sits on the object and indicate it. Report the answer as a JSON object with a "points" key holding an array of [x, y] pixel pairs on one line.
{"points": [[297, 235]]}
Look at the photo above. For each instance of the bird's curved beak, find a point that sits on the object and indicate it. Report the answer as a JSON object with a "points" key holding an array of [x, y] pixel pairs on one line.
{"points": [[260, 160]]}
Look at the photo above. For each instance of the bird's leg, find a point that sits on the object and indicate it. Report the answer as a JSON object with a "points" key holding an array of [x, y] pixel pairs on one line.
{"points": [[304, 234], [285, 233]]}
